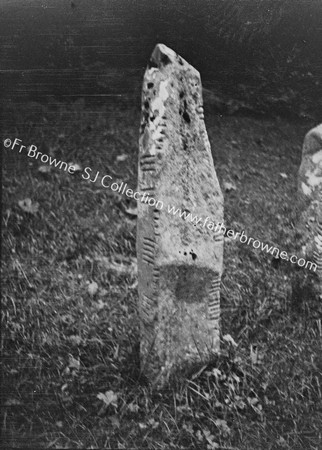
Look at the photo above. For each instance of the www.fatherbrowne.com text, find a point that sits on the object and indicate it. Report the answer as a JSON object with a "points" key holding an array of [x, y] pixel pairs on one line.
{"points": [[243, 238]]}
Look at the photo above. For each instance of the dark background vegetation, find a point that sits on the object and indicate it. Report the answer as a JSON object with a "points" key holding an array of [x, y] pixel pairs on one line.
{"points": [[264, 52], [71, 78]]}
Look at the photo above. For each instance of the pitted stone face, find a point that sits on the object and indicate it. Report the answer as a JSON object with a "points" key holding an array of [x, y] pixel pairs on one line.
{"points": [[310, 193], [179, 262]]}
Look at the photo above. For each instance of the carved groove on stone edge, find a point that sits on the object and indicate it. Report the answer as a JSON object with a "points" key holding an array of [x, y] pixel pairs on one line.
{"points": [[317, 253], [200, 112], [148, 308], [156, 223], [148, 250], [218, 236], [148, 188], [319, 228], [156, 274], [148, 163], [214, 300], [318, 258]]}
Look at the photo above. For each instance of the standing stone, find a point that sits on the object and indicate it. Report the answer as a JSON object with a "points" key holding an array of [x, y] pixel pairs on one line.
{"points": [[179, 262], [310, 194]]}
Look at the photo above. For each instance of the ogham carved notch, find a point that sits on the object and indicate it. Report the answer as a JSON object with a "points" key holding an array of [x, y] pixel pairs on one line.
{"points": [[214, 301]]}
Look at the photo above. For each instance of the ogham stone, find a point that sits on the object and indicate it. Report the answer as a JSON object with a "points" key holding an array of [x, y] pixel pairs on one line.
{"points": [[310, 200], [179, 262]]}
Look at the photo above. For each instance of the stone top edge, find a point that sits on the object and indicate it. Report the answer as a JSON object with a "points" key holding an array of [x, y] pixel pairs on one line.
{"points": [[316, 131], [163, 55]]}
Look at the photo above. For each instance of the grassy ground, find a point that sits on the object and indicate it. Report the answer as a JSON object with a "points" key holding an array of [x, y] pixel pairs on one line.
{"points": [[69, 350]]}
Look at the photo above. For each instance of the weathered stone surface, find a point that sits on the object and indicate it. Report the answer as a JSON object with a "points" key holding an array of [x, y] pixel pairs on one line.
{"points": [[179, 263], [310, 199]]}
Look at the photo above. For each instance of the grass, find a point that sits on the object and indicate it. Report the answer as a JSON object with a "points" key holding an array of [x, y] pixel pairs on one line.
{"points": [[70, 367]]}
